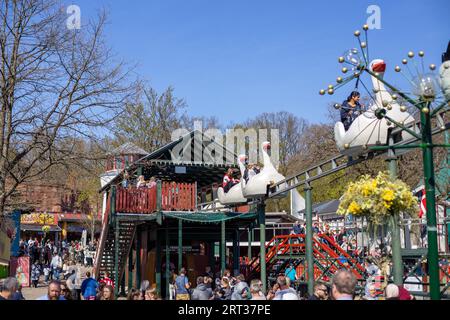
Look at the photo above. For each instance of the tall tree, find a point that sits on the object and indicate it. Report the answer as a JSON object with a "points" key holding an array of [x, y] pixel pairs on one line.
{"points": [[150, 120], [291, 128], [57, 85]]}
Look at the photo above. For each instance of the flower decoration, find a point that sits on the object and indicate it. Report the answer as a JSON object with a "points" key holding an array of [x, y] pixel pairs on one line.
{"points": [[378, 198]]}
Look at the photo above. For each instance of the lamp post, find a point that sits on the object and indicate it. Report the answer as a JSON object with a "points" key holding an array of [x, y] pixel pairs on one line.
{"points": [[423, 104]]}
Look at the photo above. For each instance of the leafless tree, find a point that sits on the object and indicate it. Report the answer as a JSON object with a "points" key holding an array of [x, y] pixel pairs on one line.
{"points": [[291, 128], [57, 86]]}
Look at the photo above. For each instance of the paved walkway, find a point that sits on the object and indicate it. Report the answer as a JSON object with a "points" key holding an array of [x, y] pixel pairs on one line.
{"points": [[31, 293]]}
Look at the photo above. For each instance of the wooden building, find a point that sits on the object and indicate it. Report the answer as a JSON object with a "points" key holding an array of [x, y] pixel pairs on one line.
{"points": [[142, 225]]}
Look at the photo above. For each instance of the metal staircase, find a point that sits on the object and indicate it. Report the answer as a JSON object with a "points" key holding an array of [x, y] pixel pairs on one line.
{"points": [[113, 228]]}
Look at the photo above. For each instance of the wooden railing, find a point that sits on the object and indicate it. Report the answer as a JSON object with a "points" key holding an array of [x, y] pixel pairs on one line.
{"points": [[136, 200], [174, 197], [178, 196]]}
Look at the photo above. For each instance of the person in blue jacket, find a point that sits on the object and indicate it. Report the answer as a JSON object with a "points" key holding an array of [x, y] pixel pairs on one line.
{"points": [[89, 287]]}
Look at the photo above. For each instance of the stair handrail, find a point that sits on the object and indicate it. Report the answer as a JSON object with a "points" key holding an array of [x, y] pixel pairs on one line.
{"points": [[102, 240], [343, 252], [334, 255], [282, 245]]}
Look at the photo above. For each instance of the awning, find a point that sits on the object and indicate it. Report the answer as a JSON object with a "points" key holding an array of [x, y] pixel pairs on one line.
{"points": [[36, 227], [208, 217]]}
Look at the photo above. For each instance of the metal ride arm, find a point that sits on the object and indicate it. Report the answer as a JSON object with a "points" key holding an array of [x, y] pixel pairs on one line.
{"points": [[341, 162]]}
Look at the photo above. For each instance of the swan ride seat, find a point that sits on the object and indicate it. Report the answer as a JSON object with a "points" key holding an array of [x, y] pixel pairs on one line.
{"points": [[367, 129], [257, 186]]}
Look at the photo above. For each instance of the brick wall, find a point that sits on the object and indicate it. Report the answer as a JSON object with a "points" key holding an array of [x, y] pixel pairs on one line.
{"points": [[49, 198]]}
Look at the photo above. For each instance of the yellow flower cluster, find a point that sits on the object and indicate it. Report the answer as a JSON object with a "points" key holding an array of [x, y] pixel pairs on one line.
{"points": [[378, 198], [46, 229]]}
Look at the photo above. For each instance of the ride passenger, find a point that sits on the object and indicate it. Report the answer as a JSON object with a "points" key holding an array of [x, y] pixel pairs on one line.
{"points": [[152, 182], [141, 182], [228, 180], [351, 109], [251, 170]]}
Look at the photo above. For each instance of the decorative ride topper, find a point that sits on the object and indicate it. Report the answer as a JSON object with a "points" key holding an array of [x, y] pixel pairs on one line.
{"points": [[378, 199], [388, 106]]}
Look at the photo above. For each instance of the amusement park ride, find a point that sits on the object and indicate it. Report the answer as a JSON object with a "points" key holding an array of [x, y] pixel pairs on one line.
{"points": [[256, 186], [393, 123]]}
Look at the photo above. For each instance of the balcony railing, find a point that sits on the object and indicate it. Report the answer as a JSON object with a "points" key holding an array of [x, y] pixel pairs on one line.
{"points": [[172, 197], [178, 196], [136, 200]]}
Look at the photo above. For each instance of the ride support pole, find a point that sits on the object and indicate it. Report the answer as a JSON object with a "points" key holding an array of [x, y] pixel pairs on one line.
{"points": [[167, 263], [309, 239], [130, 268], [428, 168], [138, 258], [250, 240], [180, 244], [222, 247], [158, 261], [397, 263], [262, 244]]}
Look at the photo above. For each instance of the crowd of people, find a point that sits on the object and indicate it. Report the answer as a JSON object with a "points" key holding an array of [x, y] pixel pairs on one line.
{"points": [[227, 287], [90, 289], [56, 260], [222, 286], [60, 263], [68, 251]]}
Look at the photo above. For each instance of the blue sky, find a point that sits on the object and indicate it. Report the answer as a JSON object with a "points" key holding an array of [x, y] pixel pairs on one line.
{"points": [[235, 59]]}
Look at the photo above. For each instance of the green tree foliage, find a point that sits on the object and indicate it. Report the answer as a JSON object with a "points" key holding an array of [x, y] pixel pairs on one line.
{"points": [[150, 120]]}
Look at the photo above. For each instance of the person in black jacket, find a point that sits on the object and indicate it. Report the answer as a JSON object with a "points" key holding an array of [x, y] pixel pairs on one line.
{"points": [[351, 109]]}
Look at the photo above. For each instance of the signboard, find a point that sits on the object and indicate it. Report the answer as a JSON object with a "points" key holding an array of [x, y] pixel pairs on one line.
{"points": [[412, 284], [75, 228], [20, 268], [5, 248], [180, 170], [190, 249], [39, 218], [15, 244], [77, 216], [348, 221]]}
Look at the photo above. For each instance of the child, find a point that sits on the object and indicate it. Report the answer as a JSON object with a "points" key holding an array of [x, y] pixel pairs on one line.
{"points": [[35, 273], [46, 273]]}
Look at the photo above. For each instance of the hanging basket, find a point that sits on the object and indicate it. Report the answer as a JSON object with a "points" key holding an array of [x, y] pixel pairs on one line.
{"points": [[378, 199]]}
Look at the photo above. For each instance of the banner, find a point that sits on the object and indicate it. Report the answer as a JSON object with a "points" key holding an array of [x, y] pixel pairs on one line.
{"points": [[15, 244], [5, 248], [20, 268], [39, 218]]}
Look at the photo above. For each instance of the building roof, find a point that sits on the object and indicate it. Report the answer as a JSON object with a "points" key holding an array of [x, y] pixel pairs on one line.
{"points": [[280, 217], [128, 148], [178, 161], [327, 209]]}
